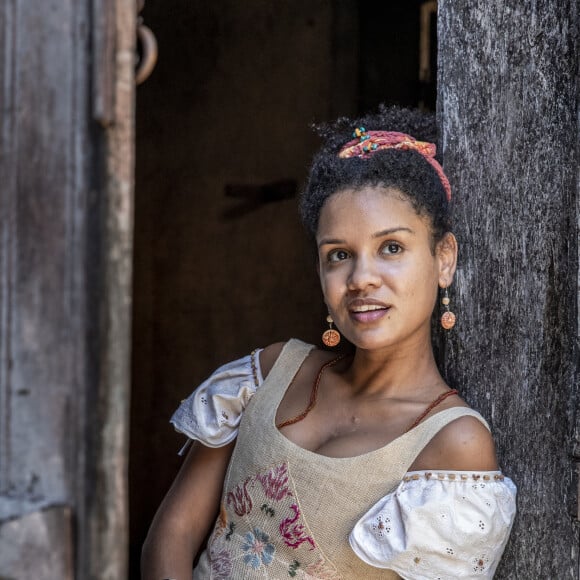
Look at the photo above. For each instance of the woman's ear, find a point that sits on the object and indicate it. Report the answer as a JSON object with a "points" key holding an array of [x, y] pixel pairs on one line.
{"points": [[446, 253]]}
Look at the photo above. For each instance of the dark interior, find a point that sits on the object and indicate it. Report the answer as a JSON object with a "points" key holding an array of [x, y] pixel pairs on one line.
{"points": [[221, 263]]}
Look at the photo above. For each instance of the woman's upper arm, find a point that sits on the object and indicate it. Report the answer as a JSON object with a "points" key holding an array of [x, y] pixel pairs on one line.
{"points": [[186, 514], [268, 357], [193, 499]]}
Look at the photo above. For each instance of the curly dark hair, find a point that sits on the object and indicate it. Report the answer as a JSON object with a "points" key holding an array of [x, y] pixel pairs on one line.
{"points": [[404, 170]]}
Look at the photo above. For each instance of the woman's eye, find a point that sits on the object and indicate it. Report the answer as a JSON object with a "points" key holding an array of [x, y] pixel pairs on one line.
{"points": [[337, 255], [391, 248]]}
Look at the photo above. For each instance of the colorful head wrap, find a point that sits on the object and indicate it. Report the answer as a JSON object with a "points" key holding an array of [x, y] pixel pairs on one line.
{"points": [[365, 143]]}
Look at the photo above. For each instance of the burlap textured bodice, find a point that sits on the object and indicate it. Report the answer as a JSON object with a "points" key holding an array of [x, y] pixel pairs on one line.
{"points": [[287, 512]]}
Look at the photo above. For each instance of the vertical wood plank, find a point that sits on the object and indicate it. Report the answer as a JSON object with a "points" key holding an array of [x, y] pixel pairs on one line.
{"points": [[65, 255], [40, 168], [103, 77], [508, 98], [8, 178], [107, 508]]}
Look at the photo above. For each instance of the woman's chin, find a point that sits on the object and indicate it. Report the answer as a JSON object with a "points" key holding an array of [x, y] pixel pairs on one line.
{"points": [[371, 341], [386, 339]]}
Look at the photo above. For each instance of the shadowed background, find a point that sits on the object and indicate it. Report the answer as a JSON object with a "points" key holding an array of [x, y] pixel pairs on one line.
{"points": [[222, 264]]}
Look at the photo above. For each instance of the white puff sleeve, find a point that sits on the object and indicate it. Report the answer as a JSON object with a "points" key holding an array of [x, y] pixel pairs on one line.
{"points": [[439, 525], [212, 413]]}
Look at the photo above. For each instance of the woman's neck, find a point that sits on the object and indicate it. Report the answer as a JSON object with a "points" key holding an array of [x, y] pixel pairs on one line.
{"points": [[394, 372]]}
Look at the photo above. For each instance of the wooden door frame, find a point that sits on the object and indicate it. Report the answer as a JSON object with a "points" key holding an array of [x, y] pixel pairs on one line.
{"points": [[113, 107], [66, 219]]}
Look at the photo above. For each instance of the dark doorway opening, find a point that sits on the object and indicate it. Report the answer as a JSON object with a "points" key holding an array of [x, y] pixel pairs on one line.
{"points": [[397, 54], [229, 105]]}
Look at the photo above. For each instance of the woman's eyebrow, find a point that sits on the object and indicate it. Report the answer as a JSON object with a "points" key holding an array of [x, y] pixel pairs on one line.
{"points": [[387, 232], [390, 231], [324, 242]]}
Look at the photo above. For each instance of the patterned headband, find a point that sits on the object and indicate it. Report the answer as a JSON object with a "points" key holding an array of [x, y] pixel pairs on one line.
{"points": [[365, 143]]}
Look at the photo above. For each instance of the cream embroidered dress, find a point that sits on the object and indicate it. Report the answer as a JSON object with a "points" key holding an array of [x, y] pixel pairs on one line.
{"points": [[290, 513]]}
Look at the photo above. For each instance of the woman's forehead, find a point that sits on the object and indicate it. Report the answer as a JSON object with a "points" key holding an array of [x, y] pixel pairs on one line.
{"points": [[368, 207]]}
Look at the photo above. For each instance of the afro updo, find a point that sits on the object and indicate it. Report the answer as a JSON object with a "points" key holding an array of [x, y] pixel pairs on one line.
{"points": [[405, 170]]}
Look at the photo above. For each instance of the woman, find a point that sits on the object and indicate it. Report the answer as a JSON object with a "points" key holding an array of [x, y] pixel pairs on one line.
{"points": [[350, 467]]}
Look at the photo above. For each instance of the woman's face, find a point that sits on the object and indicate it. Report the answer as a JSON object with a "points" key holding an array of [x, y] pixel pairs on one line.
{"points": [[378, 273]]}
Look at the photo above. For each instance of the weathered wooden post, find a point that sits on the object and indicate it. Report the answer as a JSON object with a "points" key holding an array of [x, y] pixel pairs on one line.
{"points": [[66, 185], [508, 105]]}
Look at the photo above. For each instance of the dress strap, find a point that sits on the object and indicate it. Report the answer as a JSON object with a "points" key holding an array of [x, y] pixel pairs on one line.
{"points": [[433, 404], [288, 363], [410, 445], [268, 397], [313, 394]]}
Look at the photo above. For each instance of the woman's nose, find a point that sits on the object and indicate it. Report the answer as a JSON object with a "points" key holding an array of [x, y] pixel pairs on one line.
{"points": [[363, 274]]}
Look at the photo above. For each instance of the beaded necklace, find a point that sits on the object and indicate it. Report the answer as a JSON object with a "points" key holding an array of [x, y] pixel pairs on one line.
{"points": [[313, 394], [314, 397], [432, 405]]}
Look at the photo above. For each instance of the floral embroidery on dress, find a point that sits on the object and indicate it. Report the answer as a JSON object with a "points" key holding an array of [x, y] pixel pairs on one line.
{"points": [[231, 529], [239, 499], [321, 571], [221, 565], [261, 532], [381, 526], [275, 482], [259, 550], [293, 568], [480, 563], [293, 532], [268, 510]]}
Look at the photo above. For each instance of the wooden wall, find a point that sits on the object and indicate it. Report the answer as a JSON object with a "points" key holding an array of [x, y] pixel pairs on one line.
{"points": [[65, 256]]}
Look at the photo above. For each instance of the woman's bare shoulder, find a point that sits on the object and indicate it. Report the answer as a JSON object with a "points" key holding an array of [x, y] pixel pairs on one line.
{"points": [[269, 355], [465, 444]]}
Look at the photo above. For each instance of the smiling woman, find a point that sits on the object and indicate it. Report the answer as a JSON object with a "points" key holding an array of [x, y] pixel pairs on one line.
{"points": [[377, 434], [376, 266]]}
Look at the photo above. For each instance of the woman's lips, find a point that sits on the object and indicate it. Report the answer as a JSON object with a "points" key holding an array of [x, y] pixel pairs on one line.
{"points": [[366, 311]]}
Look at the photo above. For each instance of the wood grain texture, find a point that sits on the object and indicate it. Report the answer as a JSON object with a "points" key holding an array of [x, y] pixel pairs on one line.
{"points": [[108, 455], [44, 175], [41, 175], [37, 545], [508, 98], [65, 267]]}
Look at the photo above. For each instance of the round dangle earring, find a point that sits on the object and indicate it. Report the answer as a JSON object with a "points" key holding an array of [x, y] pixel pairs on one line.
{"points": [[448, 318], [330, 337]]}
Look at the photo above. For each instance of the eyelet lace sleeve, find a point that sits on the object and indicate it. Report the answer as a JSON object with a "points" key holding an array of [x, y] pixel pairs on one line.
{"points": [[212, 413], [439, 525]]}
